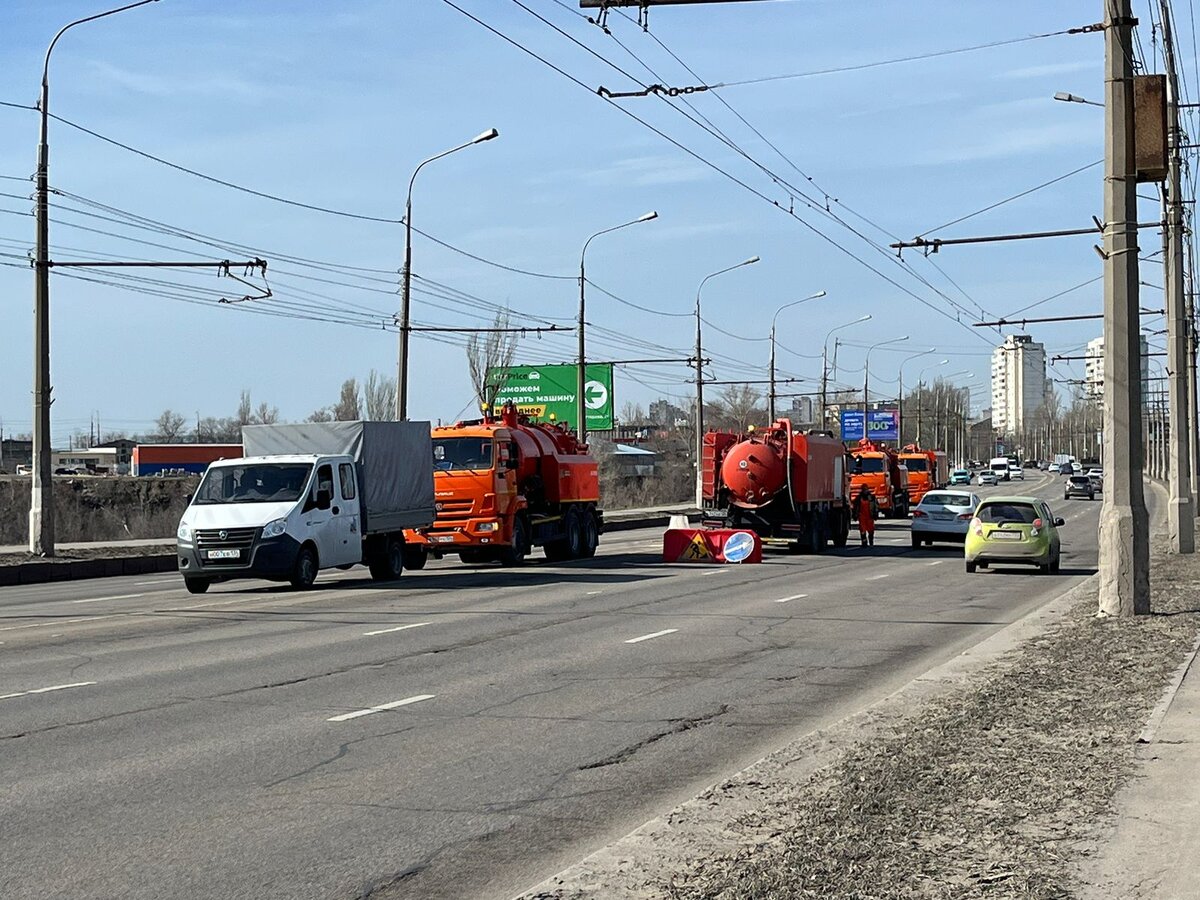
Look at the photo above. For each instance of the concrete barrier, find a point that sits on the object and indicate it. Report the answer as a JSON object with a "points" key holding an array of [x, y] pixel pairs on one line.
{"points": [[77, 569]]}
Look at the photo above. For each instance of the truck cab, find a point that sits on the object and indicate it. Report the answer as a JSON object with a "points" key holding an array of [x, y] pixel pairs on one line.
{"points": [[276, 517]]}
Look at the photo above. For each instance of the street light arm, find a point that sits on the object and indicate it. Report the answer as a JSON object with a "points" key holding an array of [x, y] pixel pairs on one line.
{"points": [[643, 218], [745, 262], [815, 296], [69, 25], [436, 156]]}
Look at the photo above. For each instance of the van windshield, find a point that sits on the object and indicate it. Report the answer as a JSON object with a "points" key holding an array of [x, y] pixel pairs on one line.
{"points": [[999, 466], [459, 453], [865, 465], [256, 483]]}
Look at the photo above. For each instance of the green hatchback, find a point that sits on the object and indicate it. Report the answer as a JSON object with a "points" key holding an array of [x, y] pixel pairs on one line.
{"points": [[1014, 530]]}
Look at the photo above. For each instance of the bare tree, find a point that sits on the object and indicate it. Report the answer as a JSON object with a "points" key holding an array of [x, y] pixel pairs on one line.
{"points": [[380, 397], [487, 353], [245, 411], [349, 405], [169, 426], [632, 414], [266, 414], [739, 406], [324, 414]]}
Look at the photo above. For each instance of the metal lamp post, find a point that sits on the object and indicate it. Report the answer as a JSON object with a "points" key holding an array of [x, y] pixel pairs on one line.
{"points": [[867, 374], [921, 394], [406, 282], [771, 394], [41, 507], [700, 381], [825, 362], [900, 402], [581, 378]]}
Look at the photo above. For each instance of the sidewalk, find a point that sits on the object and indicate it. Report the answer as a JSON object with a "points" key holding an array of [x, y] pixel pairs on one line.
{"points": [[1154, 849]]}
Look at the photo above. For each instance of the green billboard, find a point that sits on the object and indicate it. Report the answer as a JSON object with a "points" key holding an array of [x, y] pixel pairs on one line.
{"points": [[547, 393]]}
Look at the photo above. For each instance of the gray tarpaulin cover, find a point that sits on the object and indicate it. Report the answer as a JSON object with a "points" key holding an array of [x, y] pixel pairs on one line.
{"points": [[394, 461]]}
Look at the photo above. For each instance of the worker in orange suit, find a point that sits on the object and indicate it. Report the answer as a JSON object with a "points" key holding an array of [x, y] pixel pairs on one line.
{"points": [[866, 516]]}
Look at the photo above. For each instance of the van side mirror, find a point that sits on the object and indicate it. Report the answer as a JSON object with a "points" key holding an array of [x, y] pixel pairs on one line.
{"points": [[324, 498], [1060, 522]]}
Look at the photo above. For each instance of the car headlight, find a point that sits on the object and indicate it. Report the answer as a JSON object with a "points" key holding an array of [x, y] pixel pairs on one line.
{"points": [[274, 529], [184, 533], [488, 526]]}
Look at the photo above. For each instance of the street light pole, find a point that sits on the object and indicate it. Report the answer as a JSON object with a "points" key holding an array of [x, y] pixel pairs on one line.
{"points": [[700, 383], [825, 363], [41, 505], [771, 395], [581, 375], [921, 395], [900, 385], [406, 280], [867, 375]]}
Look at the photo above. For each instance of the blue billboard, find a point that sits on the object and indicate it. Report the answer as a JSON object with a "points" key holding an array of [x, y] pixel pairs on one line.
{"points": [[881, 425]]}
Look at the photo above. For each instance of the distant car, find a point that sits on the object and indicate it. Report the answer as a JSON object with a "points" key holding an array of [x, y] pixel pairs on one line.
{"points": [[960, 476], [1013, 530], [1054, 469], [1077, 468], [1096, 477], [1015, 471], [987, 476], [1079, 486], [942, 516]]}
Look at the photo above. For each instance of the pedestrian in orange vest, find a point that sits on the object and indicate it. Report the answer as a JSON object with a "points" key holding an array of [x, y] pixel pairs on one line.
{"points": [[866, 516]]}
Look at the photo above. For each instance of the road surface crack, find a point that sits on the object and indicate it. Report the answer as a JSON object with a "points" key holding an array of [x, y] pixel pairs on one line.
{"points": [[677, 726]]}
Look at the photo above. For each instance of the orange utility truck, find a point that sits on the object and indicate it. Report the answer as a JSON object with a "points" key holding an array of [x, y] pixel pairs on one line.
{"points": [[505, 485], [928, 470], [882, 471], [788, 486]]}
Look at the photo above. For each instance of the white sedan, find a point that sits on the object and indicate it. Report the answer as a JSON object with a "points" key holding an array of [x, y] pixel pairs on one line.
{"points": [[987, 476], [1016, 472], [943, 516]]}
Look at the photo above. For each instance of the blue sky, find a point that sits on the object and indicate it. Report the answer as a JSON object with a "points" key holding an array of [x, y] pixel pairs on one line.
{"points": [[334, 104]]}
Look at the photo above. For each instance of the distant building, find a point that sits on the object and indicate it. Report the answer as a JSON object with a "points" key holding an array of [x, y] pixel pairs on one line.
{"points": [[667, 415], [95, 459], [1093, 368], [15, 452], [1019, 385], [804, 411], [124, 448]]}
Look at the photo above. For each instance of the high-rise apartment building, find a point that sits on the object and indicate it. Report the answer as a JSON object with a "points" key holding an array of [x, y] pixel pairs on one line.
{"points": [[1093, 368], [1019, 383]]}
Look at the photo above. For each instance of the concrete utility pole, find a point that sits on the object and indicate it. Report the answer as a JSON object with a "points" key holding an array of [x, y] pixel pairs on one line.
{"points": [[1193, 425], [1180, 512], [41, 506], [1124, 523]]}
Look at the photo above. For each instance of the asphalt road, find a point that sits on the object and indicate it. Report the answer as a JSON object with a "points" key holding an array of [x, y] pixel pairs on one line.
{"points": [[462, 733]]}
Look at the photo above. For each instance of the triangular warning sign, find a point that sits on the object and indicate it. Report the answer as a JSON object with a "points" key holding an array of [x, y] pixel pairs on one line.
{"points": [[696, 549]]}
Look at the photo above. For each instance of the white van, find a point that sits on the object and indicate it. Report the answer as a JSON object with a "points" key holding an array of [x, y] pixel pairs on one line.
{"points": [[999, 467]]}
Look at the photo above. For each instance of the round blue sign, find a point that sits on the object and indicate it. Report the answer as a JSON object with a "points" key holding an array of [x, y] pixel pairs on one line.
{"points": [[738, 546]]}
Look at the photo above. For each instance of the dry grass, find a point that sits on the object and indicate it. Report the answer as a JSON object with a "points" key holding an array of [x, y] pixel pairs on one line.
{"points": [[987, 792]]}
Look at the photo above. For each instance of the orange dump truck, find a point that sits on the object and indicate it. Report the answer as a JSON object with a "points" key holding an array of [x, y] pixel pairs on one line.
{"points": [[505, 485], [928, 470], [787, 486], [883, 472]]}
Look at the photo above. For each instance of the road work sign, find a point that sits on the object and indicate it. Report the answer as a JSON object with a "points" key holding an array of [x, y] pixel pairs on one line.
{"points": [[711, 545], [548, 393]]}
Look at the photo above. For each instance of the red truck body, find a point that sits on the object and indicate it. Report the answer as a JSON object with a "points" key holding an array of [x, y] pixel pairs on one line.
{"points": [[883, 473], [784, 484], [928, 470]]}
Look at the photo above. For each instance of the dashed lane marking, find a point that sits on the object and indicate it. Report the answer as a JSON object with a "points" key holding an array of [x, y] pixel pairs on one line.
{"points": [[395, 704], [46, 690], [115, 597], [879, 577], [646, 637], [791, 598], [936, 562], [397, 628]]}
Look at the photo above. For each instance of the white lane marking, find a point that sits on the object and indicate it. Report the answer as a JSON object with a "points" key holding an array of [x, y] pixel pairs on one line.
{"points": [[793, 597], [46, 690], [646, 637], [878, 577], [380, 708], [160, 581], [716, 572], [115, 597], [65, 621], [397, 628], [936, 562], [593, 593]]}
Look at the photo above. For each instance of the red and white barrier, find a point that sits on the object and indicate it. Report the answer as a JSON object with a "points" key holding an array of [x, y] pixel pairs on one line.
{"points": [[711, 545]]}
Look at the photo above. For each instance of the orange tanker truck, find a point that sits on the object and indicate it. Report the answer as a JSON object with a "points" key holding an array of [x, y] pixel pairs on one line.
{"points": [[505, 485], [882, 471], [928, 470], [785, 485]]}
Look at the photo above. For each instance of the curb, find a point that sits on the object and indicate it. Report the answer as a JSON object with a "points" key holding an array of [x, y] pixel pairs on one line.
{"points": [[1150, 731], [42, 572], [679, 835]]}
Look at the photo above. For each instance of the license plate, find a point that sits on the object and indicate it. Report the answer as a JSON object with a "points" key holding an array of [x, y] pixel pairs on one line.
{"points": [[443, 538], [1005, 536], [222, 554]]}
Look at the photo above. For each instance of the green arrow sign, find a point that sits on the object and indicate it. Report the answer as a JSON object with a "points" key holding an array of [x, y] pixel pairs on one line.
{"points": [[547, 393]]}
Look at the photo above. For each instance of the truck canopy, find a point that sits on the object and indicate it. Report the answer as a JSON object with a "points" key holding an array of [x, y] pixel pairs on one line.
{"points": [[393, 462]]}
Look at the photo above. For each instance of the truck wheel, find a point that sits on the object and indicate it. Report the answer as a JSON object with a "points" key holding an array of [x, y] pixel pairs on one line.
{"points": [[591, 535], [574, 535], [514, 554], [816, 536], [196, 585], [841, 533], [388, 563], [304, 570], [415, 558]]}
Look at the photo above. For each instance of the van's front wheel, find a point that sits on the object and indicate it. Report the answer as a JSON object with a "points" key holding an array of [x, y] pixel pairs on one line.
{"points": [[304, 570]]}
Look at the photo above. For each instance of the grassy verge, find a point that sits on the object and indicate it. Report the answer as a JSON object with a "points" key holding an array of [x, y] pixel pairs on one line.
{"points": [[986, 792]]}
